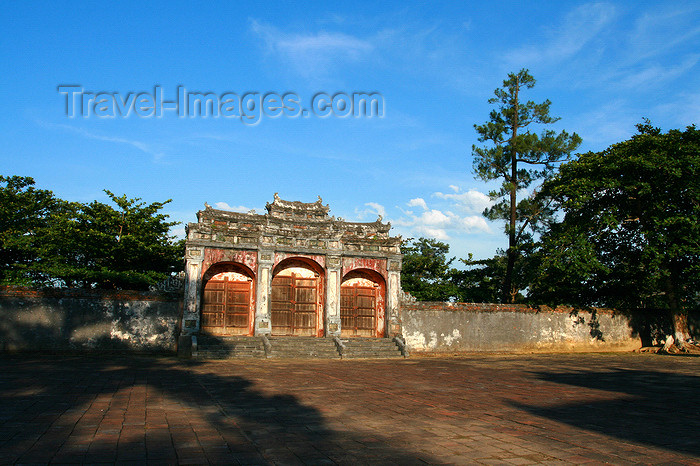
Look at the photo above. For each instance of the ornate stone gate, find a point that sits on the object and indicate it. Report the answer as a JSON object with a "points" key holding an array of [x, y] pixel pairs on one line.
{"points": [[294, 270]]}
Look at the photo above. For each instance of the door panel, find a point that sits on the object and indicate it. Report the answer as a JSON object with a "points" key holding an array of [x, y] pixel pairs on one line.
{"points": [[294, 303], [226, 307], [358, 311]]}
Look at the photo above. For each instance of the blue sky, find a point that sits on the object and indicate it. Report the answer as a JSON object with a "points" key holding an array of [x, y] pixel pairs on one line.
{"points": [[604, 66]]}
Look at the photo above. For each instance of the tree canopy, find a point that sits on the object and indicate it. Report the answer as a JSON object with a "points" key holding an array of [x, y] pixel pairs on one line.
{"points": [[630, 235], [25, 213], [426, 272], [518, 157], [45, 241]]}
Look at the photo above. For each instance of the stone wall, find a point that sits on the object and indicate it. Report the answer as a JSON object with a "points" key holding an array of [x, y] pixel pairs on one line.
{"points": [[84, 320], [448, 327], [80, 320]]}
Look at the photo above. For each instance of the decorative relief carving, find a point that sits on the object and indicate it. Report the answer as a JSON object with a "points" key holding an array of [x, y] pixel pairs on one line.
{"points": [[174, 283], [333, 261]]}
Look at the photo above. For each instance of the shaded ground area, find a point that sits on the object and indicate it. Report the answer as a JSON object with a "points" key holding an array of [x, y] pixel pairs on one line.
{"points": [[489, 409]]}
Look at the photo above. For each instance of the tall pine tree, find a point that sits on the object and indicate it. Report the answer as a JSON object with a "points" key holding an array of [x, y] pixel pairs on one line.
{"points": [[518, 157]]}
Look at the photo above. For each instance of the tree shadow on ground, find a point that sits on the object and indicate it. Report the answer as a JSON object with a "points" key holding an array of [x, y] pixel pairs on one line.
{"points": [[161, 410], [660, 409]]}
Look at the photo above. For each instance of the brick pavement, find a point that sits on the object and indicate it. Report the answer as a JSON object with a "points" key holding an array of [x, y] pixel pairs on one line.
{"points": [[478, 409]]}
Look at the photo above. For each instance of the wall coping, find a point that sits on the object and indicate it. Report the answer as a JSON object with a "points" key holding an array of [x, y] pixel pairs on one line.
{"points": [[81, 293], [493, 307]]}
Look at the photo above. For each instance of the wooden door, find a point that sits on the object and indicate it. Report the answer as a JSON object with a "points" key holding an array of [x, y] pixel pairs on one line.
{"points": [[358, 311], [294, 303], [226, 308]]}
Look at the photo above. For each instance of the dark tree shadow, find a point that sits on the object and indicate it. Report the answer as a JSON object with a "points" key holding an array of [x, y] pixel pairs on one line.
{"points": [[73, 409], [650, 325], [593, 323], [76, 320], [660, 409]]}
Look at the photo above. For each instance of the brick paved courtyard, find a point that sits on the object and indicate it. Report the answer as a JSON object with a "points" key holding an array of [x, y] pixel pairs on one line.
{"points": [[479, 409]]}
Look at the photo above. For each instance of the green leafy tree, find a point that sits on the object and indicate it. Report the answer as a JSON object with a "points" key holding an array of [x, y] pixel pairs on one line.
{"points": [[482, 280], [630, 236], [426, 273], [25, 215], [45, 241], [127, 247], [518, 157]]}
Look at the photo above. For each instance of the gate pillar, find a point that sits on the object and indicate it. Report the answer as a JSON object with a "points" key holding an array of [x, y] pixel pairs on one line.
{"points": [[393, 288], [333, 296], [193, 282], [263, 288]]}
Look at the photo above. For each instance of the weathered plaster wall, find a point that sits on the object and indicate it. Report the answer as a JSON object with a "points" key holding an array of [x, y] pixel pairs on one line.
{"points": [[88, 320], [445, 327], [148, 322]]}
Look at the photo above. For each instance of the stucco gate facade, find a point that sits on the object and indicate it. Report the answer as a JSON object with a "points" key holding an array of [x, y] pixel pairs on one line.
{"points": [[293, 271]]}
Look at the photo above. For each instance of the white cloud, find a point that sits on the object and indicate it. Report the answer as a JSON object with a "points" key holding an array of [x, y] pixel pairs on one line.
{"points": [[656, 75], [434, 218], [443, 223], [657, 31], [378, 208], [225, 206], [683, 111], [437, 233], [473, 222], [312, 53], [178, 232], [418, 202], [606, 124], [649, 75], [472, 201], [372, 208], [579, 27], [436, 224], [139, 145]]}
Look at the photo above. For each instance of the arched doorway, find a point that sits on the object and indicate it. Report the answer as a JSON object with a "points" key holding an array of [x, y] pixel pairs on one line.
{"points": [[228, 300], [296, 302], [362, 295]]}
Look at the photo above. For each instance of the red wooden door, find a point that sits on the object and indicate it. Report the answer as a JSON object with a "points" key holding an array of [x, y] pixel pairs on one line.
{"points": [[293, 305], [226, 308], [358, 311]]}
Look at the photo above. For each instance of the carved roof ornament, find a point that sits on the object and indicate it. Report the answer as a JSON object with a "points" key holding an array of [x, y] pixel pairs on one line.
{"points": [[292, 224], [285, 209]]}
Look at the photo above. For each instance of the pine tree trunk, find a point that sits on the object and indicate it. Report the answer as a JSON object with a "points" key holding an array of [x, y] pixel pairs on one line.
{"points": [[506, 294]]}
